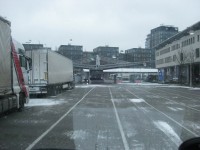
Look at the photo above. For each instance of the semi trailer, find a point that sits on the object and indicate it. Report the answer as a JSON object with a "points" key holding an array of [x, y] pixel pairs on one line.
{"points": [[14, 68], [51, 72]]}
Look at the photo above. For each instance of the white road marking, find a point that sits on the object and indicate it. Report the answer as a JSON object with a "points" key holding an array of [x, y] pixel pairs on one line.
{"points": [[180, 95], [172, 100], [126, 146], [56, 123], [194, 134]]}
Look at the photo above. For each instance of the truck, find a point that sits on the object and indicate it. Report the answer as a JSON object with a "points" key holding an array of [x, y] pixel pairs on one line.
{"points": [[51, 72], [14, 68], [96, 76]]}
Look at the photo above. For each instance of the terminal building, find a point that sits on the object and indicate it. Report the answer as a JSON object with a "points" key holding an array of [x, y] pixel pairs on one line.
{"points": [[141, 56], [178, 58], [127, 74]]}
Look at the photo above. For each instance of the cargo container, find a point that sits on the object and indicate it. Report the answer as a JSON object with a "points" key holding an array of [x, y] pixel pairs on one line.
{"points": [[51, 72]]}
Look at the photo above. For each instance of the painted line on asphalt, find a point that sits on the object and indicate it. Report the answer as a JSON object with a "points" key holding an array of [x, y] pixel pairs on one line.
{"points": [[184, 92], [164, 114], [126, 146], [171, 100], [56, 123], [180, 95]]}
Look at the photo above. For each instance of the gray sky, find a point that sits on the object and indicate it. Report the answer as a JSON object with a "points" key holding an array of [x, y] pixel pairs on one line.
{"points": [[92, 23]]}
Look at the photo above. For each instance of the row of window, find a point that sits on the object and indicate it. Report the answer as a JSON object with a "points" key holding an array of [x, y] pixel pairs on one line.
{"points": [[160, 61], [169, 58], [177, 46], [164, 51], [188, 42]]}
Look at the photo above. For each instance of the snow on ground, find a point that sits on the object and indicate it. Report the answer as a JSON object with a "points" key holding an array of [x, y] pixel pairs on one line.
{"points": [[136, 100], [44, 102], [142, 83], [194, 89], [118, 100], [169, 131], [194, 125], [173, 86], [91, 85], [175, 109], [102, 135], [30, 121], [77, 134]]}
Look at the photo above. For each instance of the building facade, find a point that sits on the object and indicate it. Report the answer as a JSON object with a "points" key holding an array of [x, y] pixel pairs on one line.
{"points": [[106, 51], [89, 58], [147, 41], [73, 52], [141, 56], [157, 36], [160, 34], [178, 58]]}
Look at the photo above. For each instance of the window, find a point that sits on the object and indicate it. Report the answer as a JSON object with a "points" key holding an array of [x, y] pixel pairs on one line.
{"points": [[174, 57], [168, 59], [198, 38], [22, 61], [181, 56], [197, 53], [160, 61]]}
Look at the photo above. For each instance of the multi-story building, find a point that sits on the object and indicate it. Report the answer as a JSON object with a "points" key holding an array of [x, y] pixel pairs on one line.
{"points": [[106, 51], [73, 52], [160, 34], [178, 58], [147, 42], [88, 58], [141, 56], [157, 36]]}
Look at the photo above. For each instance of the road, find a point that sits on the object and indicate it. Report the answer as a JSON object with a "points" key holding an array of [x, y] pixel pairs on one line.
{"points": [[106, 117]]}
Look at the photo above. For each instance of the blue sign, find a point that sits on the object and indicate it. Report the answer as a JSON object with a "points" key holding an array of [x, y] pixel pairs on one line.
{"points": [[161, 75]]}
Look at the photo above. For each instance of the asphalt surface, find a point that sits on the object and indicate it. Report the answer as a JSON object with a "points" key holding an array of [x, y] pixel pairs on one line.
{"points": [[106, 117]]}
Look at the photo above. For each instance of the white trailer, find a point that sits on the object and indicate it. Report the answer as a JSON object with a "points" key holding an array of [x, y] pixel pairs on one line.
{"points": [[14, 67], [51, 72]]}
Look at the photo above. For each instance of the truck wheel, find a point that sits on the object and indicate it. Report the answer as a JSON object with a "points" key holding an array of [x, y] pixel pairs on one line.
{"points": [[21, 102], [69, 86]]}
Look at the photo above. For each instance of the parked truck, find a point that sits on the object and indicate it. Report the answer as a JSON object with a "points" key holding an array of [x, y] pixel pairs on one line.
{"points": [[51, 72], [14, 67]]}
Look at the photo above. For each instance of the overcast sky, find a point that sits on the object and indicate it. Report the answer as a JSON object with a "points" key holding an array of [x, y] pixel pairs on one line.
{"points": [[93, 23]]}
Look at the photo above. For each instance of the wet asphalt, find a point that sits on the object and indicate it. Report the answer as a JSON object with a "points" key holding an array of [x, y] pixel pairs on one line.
{"points": [[106, 117]]}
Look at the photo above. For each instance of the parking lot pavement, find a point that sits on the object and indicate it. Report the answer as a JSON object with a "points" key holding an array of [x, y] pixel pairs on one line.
{"points": [[121, 116]]}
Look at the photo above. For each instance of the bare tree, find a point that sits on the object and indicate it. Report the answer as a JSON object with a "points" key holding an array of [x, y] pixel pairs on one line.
{"points": [[191, 59], [184, 57], [181, 58]]}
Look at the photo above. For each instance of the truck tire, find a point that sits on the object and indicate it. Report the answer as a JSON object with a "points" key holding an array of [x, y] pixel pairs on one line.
{"points": [[70, 86]]}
